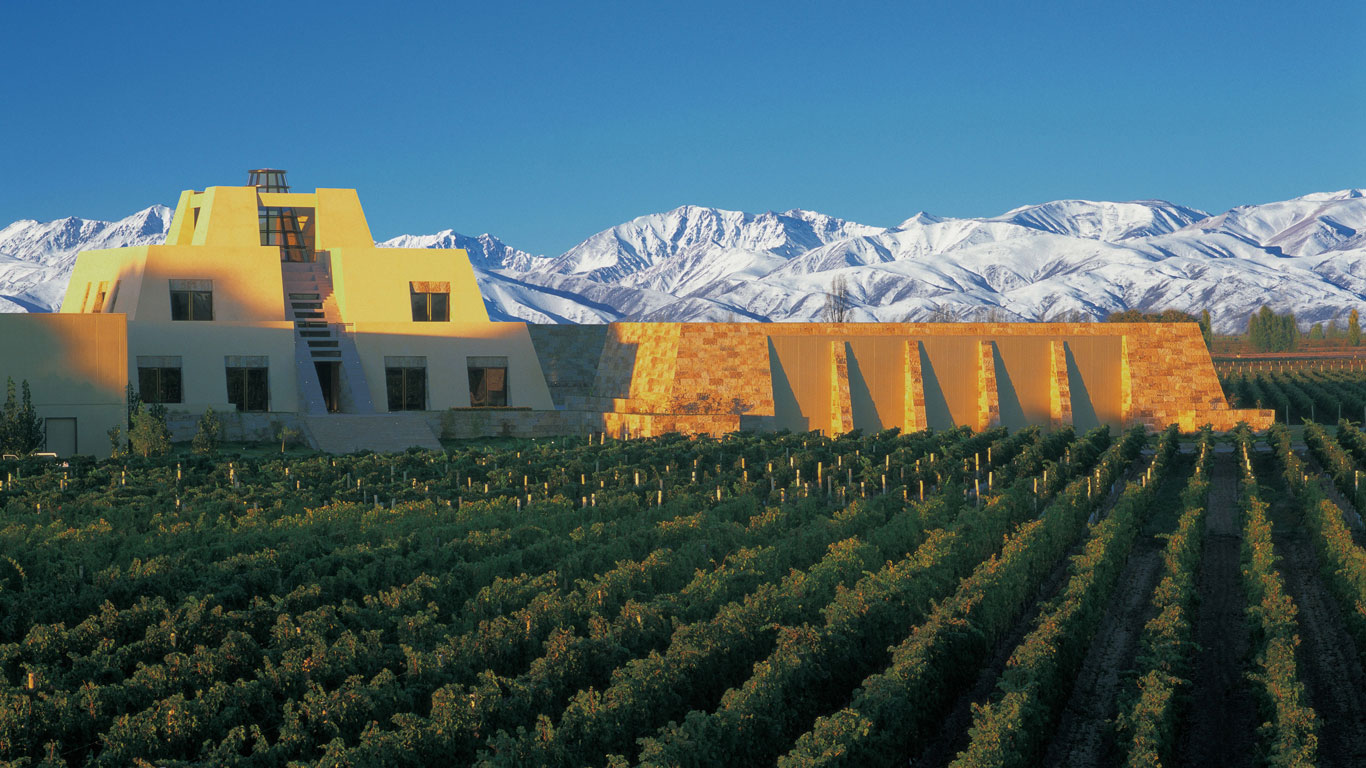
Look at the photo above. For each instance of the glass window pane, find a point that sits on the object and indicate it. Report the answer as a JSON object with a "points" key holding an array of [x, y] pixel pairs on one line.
{"points": [[415, 384], [419, 307], [203, 305], [393, 385], [170, 385], [147, 384], [180, 305], [258, 391], [496, 381], [441, 306], [478, 394], [237, 382]]}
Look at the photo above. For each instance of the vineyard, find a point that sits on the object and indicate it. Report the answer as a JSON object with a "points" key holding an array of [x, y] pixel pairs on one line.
{"points": [[949, 598], [1298, 394]]}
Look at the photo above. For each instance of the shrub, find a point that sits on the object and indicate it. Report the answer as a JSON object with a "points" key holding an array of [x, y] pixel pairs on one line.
{"points": [[206, 438], [149, 436]]}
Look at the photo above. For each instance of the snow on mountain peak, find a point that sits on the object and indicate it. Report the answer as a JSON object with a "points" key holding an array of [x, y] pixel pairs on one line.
{"points": [[1306, 254], [1104, 220]]}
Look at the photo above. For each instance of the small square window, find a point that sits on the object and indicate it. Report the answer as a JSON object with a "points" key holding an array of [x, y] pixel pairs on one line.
{"points": [[431, 302], [191, 300], [159, 380], [249, 388], [406, 386]]}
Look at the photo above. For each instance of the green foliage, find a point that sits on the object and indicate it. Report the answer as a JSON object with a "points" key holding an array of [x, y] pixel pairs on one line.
{"points": [[149, 435], [1165, 316], [1316, 332], [287, 436], [21, 428], [207, 435], [1151, 710], [117, 447], [1270, 332], [1289, 735], [555, 603], [1354, 329], [1206, 329]]}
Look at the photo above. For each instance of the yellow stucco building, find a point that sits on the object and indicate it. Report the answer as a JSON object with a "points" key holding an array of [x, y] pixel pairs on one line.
{"points": [[275, 306], [276, 309]]}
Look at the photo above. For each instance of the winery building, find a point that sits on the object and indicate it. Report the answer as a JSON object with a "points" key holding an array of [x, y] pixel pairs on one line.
{"points": [[276, 309]]}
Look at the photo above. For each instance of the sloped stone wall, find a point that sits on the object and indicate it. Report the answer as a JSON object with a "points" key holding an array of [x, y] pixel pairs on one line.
{"points": [[714, 373]]}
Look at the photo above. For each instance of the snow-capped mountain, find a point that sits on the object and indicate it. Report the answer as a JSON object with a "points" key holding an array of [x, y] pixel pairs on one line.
{"points": [[1066, 258], [36, 257], [485, 251]]}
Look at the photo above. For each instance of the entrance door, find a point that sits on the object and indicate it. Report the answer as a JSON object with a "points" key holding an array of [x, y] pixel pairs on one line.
{"points": [[329, 378], [61, 436]]}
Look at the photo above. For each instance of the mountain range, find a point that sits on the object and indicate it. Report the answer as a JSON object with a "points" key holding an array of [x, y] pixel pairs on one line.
{"points": [[1066, 259]]}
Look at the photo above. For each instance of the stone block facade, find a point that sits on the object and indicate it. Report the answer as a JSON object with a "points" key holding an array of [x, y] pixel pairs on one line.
{"points": [[713, 378]]}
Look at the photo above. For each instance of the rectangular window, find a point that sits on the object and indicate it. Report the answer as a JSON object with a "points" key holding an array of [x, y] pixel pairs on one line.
{"points": [[248, 383], [100, 292], [159, 379], [191, 300], [405, 383], [488, 381], [431, 301], [291, 229]]}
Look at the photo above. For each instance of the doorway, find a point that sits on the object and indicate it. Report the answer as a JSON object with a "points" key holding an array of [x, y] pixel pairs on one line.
{"points": [[329, 378]]}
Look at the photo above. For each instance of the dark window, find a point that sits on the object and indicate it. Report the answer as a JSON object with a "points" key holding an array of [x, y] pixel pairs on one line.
{"points": [[488, 386], [249, 388], [291, 229], [191, 305], [433, 307], [406, 388], [159, 385]]}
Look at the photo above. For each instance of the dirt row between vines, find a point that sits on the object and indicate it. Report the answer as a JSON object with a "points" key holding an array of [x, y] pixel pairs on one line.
{"points": [[1221, 720], [1085, 733]]}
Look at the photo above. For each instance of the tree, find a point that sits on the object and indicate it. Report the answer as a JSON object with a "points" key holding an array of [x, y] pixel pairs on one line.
{"points": [[1316, 332], [21, 428], [1206, 329], [9, 416], [837, 302], [287, 435], [206, 437], [32, 436], [1270, 332], [149, 436], [1354, 329], [116, 446]]}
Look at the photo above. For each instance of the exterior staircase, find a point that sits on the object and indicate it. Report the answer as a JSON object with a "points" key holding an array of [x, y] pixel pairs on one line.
{"points": [[320, 337], [383, 432]]}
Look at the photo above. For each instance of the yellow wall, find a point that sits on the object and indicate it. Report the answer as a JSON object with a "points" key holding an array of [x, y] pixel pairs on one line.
{"points": [[76, 366], [372, 284], [246, 280]]}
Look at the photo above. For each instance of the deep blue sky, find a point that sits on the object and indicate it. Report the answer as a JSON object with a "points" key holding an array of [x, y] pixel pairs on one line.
{"points": [[545, 122]]}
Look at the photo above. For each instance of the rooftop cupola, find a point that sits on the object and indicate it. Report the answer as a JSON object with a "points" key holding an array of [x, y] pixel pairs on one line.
{"points": [[268, 180]]}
